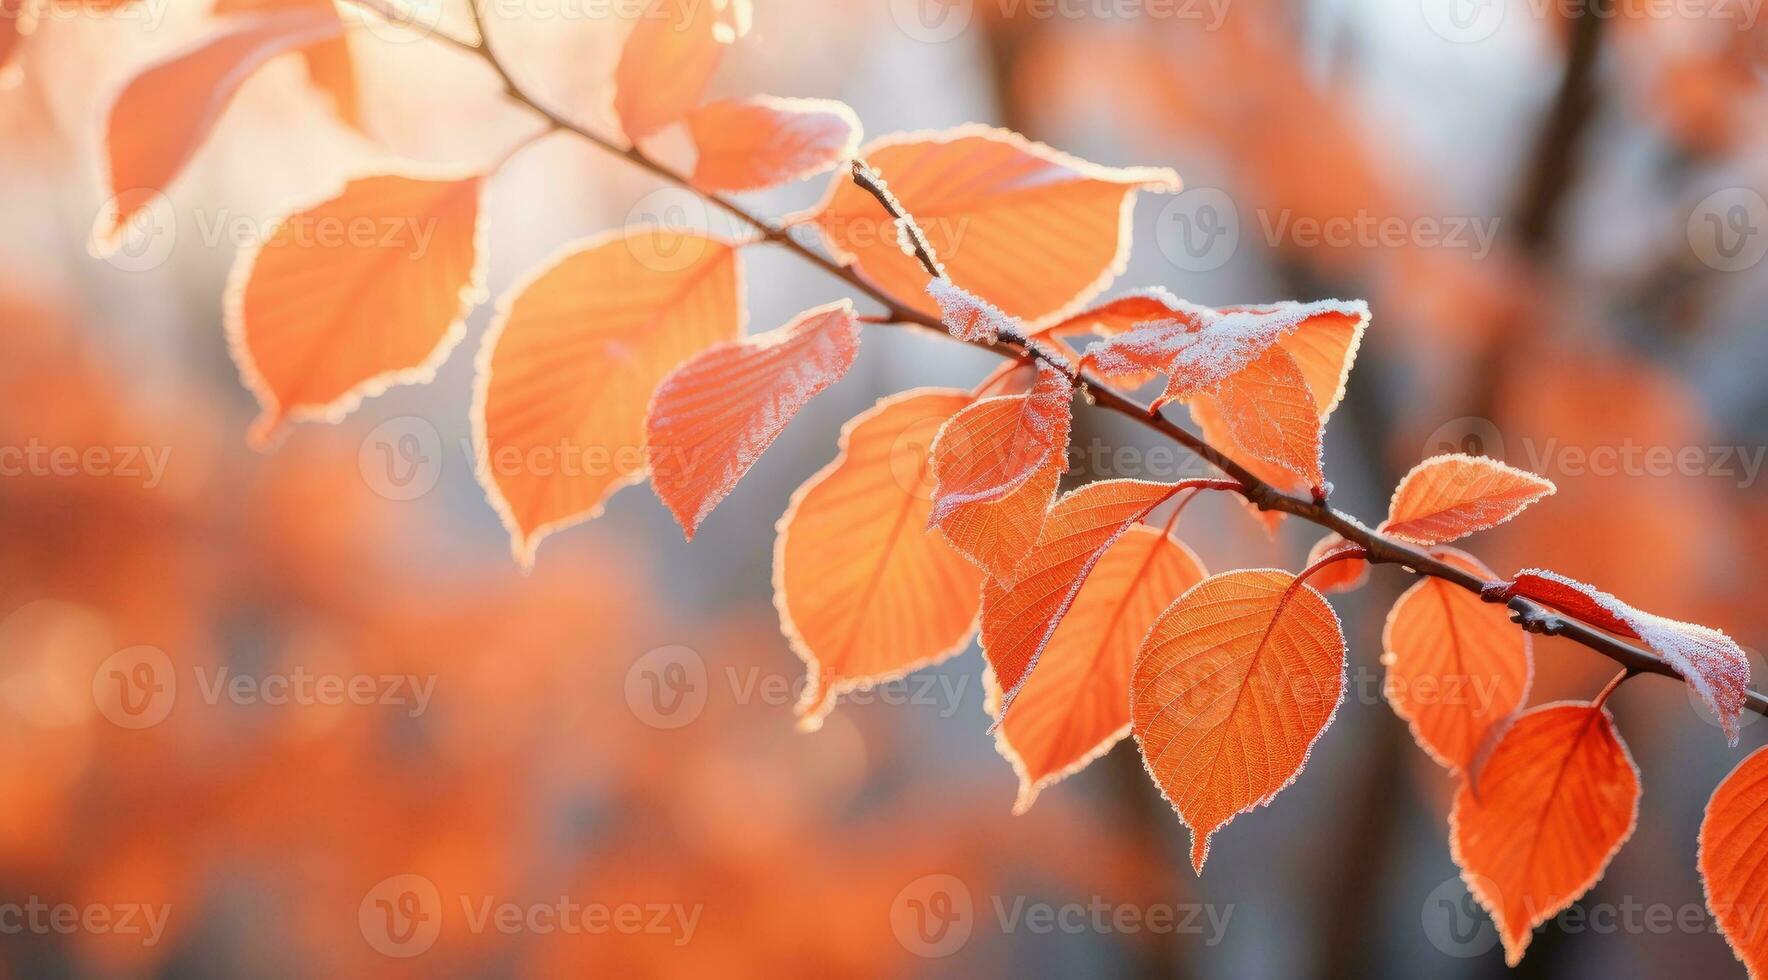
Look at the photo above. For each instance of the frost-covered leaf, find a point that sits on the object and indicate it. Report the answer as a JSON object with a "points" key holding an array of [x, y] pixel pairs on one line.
{"points": [[995, 469], [1451, 496], [1075, 707], [1232, 687], [865, 590], [1536, 825], [715, 415], [1268, 409], [1198, 348], [1019, 619], [762, 141], [1031, 230], [1214, 428], [968, 317], [1712, 663]]}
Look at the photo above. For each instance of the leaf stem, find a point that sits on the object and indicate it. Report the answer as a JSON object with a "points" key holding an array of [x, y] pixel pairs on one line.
{"points": [[1609, 688]]}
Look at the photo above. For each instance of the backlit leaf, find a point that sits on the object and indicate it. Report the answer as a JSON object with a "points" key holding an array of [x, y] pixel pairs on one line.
{"points": [[1031, 230], [1199, 348], [329, 63], [164, 113], [1231, 688], [1113, 317], [1018, 621], [668, 58], [1456, 665], [995, 469], [570, 363], [865, 590], [1214, 428], [360, 292], [1536, 825], [967, 316], [1076, 706], [714, 417], [749, 144], [1269, 410], [1733, 838], [1712, 663], [1452, 496], [1343, 575]]}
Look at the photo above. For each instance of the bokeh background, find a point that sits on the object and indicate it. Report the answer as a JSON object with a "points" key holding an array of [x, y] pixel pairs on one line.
{"points": [[1555, 211]]}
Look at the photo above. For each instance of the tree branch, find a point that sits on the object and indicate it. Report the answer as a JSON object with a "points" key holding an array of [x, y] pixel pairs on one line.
{"points": [[1381, 550]]}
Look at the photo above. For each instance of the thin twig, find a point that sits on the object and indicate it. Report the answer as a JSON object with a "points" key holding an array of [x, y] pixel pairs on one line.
{"points": [[1380, 549]]}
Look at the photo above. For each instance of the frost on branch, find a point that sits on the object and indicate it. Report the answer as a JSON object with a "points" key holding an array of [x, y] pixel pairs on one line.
{"points": [[1712, 663]]}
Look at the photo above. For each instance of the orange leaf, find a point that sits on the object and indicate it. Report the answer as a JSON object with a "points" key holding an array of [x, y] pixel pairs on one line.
{"points": [[1232, 687], [866, 592], [1340, 576], [749, 144], [1076, 706], [1017, 622], [1536, 826], [1711, 662], [714, 417], [967, 316], [1199, 348], [1452, 496], [1207, 414], [669, 57], [1113, 317], [1031, 230], [1456, 665], [360, 292], [329, 63], [570, 363], [163, 115], [1733, 838], [1270, 411], [995, 469]]}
